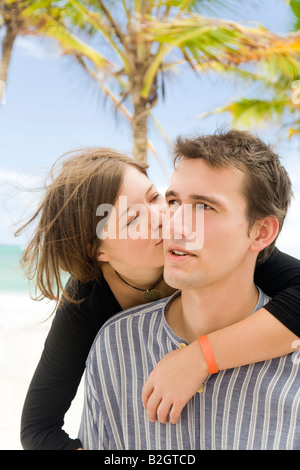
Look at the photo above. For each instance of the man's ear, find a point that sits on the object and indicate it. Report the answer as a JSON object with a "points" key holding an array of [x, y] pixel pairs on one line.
{"points": [[264, 232]]}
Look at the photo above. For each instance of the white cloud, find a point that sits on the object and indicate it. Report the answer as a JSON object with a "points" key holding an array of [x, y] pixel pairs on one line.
{"points": [[37, 48], [18, 200]]}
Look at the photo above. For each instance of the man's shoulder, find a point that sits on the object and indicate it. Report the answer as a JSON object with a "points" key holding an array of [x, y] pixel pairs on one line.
{"points": [[138, 311], [144, 313], [125, 326]]}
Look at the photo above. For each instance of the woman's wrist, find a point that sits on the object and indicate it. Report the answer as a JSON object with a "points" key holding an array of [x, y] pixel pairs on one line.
{"points": [[199, 363], [208, 355]]}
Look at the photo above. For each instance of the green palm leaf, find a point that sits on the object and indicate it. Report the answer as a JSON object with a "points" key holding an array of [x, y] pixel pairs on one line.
{"points": [[295, 7], [249, 113]]}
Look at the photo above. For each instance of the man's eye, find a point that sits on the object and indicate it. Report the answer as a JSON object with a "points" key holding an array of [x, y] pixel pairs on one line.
{"points": [[172, 202]]}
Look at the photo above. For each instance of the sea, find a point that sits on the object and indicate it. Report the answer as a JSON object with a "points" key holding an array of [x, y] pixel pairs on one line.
{"points": [[12, 277], [16, 292]]}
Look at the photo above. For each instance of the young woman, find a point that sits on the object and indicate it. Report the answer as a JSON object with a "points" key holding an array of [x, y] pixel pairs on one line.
{"points": [[109, 274]]}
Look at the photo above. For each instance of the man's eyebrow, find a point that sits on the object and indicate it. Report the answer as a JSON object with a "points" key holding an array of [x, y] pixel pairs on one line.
{"points": [[199, 197], [211, 200], [170, 193]]}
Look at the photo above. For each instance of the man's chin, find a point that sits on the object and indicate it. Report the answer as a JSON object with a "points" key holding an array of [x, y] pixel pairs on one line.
{"points": [[173, 279]]}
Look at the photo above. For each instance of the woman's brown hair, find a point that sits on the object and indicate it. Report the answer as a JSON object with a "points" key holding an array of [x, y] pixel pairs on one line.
{"points": [[64, 239]]}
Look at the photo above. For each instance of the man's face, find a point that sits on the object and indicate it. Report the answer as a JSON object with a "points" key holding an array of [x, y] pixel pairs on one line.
{"points": [[225, 251]]}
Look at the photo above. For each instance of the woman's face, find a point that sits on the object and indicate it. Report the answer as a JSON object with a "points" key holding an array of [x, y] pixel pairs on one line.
{"points": [[132, 235]]}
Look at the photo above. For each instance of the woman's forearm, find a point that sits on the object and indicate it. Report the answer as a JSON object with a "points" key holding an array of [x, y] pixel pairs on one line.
{"points": [[176, 378], [257, 338]]}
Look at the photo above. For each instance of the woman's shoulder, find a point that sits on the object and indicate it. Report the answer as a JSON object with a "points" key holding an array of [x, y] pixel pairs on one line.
{"points": [[90, 303]]}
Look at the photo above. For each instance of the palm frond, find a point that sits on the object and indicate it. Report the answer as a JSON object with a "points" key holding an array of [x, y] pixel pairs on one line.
{"points": [[75, 15], [251, 112], [208, 41], [72, 45], [295, 7], [293, 131], [201, 40]]}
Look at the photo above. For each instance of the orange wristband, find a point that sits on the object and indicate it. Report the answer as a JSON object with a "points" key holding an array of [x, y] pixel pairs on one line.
{"points": [[208, 354]]}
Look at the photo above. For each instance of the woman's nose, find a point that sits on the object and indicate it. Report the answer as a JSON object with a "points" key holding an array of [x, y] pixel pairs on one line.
{"points": [[163, 207]]}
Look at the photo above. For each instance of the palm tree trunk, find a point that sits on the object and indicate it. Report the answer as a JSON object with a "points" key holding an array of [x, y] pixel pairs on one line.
{"points": [[7, 46], [140, 131], [140, 110]]}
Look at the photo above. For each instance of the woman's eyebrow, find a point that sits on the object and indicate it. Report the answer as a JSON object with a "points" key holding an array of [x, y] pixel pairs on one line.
{"points": [[152, 186]]}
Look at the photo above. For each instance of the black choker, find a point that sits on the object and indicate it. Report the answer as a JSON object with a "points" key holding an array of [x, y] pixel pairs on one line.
{"points": [[149, 295]]}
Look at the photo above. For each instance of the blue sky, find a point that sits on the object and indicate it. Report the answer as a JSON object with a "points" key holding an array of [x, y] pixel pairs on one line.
{"points": [[51, 107]]}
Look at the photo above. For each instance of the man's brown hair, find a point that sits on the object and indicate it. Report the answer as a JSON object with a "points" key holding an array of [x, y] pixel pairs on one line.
{"points": [[267, 188], [64, 237]]}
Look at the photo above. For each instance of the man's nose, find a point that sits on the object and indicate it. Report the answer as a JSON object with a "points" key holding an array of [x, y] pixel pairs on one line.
{"points": [[181, 223]]}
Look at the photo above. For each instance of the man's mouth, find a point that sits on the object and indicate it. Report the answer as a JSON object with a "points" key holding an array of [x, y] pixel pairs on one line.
{"points": [[178, 252]]}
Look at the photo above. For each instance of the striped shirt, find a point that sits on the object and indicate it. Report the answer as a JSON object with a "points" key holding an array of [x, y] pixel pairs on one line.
{"points": [[250, 407]]}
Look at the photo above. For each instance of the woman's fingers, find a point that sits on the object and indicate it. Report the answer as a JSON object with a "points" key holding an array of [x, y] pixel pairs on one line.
{"points": [[173, 381]]}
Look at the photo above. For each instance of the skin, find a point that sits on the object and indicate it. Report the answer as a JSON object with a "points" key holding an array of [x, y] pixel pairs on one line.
{"points": [[125, 253], [139, 259]]}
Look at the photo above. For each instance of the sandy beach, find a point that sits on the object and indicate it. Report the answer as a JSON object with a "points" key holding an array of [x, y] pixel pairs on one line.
{"points": [[22, 335]]}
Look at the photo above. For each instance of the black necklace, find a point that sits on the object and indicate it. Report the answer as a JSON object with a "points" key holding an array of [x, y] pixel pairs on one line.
{"points": [[149, 295]]}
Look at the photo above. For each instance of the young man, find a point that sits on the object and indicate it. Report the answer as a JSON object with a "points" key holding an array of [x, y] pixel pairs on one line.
{"points": [[244, 192]]}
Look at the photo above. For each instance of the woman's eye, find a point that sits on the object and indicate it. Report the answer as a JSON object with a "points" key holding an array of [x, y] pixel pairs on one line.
{"points": [[134, 218], [156, 197]]}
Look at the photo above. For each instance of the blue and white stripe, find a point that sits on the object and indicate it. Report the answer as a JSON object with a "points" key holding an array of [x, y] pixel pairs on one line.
{"points": [[250, 407]]}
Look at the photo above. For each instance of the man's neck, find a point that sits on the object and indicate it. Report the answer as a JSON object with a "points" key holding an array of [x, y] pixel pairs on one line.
{"points": [[195, 313]]}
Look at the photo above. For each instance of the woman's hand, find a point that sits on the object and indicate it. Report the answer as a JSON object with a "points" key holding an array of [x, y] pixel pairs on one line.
{"points": [[173, 381]]}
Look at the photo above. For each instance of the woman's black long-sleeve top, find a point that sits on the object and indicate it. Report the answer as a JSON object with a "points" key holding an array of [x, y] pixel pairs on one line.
{"points": [[75, 326]]}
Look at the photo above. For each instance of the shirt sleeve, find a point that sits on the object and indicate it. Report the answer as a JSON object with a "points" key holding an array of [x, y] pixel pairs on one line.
{"points": [[101, 425], [279, 277], [60, 369], [92, 432]]}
